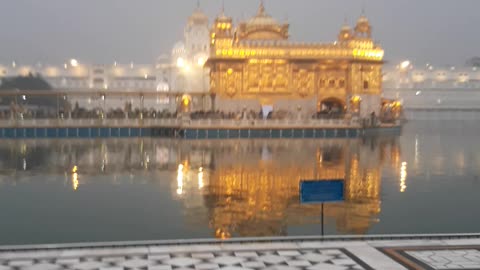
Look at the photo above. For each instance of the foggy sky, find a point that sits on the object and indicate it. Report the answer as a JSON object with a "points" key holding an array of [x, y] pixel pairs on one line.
{"points": [[102, 31]]}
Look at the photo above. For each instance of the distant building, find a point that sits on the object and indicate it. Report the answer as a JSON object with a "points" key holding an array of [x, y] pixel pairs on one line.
{"points": [[430, 77], [181, 71]]}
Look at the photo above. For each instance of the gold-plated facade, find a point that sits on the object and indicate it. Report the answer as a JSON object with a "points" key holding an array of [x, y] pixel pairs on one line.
{"points": [[257, 61]]}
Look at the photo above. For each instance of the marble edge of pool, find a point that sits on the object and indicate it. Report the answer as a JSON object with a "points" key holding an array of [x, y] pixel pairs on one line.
{"points": [[299, 241]]}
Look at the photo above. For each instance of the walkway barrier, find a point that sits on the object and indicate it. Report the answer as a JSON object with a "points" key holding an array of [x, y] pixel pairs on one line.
{"points": [[186, 128]]}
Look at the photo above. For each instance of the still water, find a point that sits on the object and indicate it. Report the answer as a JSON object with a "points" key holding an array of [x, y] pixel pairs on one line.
{"points": [[424, 181]]}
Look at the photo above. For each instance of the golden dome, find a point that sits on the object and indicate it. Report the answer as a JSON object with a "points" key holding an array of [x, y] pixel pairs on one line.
{"points": [[363, 19], [263, 27], [262, 18], [363, 27], [345, 28]]}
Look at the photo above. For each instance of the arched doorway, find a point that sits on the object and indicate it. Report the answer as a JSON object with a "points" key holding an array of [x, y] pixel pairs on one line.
{"points": [[331, 106]]}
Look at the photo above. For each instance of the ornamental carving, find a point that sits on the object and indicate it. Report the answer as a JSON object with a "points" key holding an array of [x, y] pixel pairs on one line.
{"points": [[304, 82]]}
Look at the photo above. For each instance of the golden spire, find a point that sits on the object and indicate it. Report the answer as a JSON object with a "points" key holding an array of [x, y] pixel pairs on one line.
{"points": [[261, 9]]}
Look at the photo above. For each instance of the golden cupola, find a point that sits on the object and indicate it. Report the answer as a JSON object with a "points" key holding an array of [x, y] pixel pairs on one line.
{"points": [[263, 27], [222, 31], [363, 28], [345, 33]]}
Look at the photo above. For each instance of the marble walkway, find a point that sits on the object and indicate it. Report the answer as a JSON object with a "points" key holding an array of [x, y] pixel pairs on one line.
{"points": [[353, 253]]}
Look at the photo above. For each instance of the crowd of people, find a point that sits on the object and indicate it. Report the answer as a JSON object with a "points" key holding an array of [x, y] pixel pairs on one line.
{"points": [[67, 112]]}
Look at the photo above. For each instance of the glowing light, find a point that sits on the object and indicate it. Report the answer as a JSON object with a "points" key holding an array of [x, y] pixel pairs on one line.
{"points": [[200, 178], [145, 76], [356, 99], [418, 93], [405, 64], [14, 64], [24, 97], [201, 61], [180, 179], [230, 71], [180, 62], [75, 182], [403, 177], [185, 101], [74, 62]]}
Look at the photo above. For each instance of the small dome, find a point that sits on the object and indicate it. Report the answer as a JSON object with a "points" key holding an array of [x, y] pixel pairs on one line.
{"points": [[345, 33], [179, 48], [363, 27], [262, 18], [346, 28], [198, 17], [362, 19]]}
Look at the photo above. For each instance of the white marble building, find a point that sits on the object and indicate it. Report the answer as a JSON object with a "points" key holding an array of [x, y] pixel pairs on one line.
{"points": [[180, 71], [408, 76]]}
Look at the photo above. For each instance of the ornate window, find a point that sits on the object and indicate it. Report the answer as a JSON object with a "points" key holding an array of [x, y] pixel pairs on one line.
{"points": [[331, 83], [365, 85], [321, 83]]}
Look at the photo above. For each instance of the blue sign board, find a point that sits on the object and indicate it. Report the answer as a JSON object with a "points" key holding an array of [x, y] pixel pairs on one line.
{"points": [[321, 191]]}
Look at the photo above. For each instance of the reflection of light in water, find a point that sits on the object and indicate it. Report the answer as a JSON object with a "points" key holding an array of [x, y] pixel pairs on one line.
{"points": [[180, 179], [416, 152], [200, 178], [403, 177], [75, 182], [147, 160], [222, 234], [24, 164], [460, 162]]}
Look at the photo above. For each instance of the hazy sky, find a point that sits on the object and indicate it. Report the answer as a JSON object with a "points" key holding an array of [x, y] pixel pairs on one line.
{"points": [[102, 31]]}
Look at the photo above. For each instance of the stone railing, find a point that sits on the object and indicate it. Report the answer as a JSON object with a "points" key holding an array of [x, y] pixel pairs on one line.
{"points": [[38, 123], [271, 123], [178, 122]]}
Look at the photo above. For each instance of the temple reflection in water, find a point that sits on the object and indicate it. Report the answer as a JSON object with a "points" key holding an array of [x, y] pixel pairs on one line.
{"points": [[238, 188]]}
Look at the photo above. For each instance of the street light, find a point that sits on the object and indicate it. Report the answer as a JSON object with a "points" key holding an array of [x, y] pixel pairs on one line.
{"points": [[180, 62], [74, 62], [405, 64]]}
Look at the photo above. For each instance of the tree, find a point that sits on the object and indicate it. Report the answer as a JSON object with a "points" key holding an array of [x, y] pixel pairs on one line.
{"points": [[28, 83]]}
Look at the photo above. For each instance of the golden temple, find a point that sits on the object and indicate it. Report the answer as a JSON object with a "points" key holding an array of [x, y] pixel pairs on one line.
{"points": [[255, 64]]}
